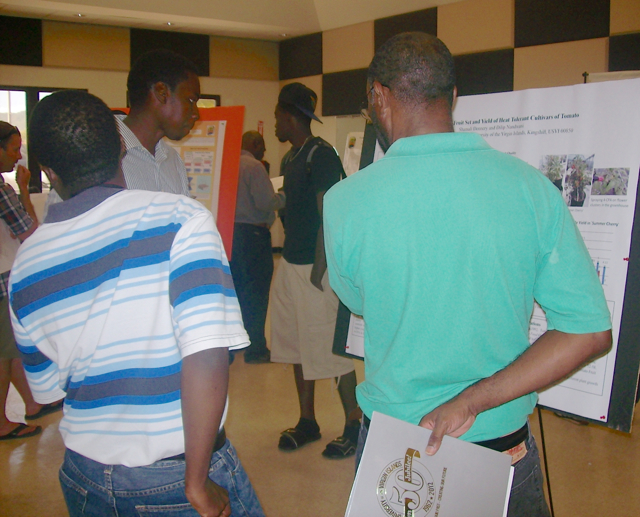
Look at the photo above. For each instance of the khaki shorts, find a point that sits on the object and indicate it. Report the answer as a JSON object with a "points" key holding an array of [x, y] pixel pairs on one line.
{"points": [[8, 348], [303, 321]]}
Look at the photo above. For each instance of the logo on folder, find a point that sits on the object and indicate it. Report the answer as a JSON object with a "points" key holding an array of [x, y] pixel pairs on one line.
{"points": [[405, 487]]}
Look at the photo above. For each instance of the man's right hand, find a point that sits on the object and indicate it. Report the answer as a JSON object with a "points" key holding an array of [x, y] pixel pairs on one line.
{"points": [[211, 500]]}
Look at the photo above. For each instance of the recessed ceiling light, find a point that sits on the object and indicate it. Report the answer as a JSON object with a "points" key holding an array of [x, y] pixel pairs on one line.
{"points": [[169, 23], [283, 35], [79, 15]]}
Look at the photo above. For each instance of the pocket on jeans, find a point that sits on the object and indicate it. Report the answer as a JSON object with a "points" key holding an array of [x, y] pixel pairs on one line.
{"points": [[74, 495], [175, 510]]}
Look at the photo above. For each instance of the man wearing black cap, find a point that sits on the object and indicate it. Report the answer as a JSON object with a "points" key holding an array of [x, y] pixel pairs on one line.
{"points": [[304, 307]]}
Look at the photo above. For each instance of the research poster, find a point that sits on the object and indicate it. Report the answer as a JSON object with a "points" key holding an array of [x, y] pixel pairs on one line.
{"points": [[201, 151], [586, 140]]}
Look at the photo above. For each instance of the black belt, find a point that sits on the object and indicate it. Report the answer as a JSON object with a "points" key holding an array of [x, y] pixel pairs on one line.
{"points": [[502, 444], [221, 439]]}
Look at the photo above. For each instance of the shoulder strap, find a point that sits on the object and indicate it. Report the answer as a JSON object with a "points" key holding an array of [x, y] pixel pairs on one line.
{"points": [[319, 142]]}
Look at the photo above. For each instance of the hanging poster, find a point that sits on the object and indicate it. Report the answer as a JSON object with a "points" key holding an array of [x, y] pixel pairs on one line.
{"points": [[201, 151]]}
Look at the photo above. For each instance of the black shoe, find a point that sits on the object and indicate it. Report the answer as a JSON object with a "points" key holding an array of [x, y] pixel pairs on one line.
{"points": [[262, 358]]}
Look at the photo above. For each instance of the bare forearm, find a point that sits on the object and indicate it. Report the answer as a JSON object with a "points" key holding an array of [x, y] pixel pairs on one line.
{"points": [[205, 377], [553, 357], [320, 259]]}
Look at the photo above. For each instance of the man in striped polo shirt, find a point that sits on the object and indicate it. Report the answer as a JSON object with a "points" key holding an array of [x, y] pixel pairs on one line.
{"points": [[163, 90], [123, 302]]}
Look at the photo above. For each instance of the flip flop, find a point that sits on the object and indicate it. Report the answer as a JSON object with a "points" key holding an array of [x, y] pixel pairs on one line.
{"points": [[47, 409], [294, 438], [16, 432]]}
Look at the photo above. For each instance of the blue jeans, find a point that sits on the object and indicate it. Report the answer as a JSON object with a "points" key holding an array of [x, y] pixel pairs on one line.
{"points": [[527, 493], [94, 489]]}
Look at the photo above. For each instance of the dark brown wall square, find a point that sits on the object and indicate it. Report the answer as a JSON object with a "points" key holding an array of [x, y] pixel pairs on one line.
{"points": [[425, 20], [21, 41], [484, 72], [344, 93], [301, 57], [624, 52], [540, 22], [194, 47]]}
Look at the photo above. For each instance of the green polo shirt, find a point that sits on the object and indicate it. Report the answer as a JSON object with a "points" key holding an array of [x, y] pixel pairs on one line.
{"points": [[443, 245]]}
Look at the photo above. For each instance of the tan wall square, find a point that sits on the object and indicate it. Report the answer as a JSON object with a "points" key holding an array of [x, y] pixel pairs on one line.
{"points": [[347, 48], [476, 25], [625, 16], [76, 45], [243, 58], [559, 64]]}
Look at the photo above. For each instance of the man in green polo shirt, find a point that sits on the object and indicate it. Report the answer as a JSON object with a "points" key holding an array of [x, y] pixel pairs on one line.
{"points": [[443, 246]]}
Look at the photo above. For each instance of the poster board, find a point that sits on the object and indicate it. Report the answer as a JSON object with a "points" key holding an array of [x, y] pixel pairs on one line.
{"points": [[585, 139], [214, 145], [211, 154]]}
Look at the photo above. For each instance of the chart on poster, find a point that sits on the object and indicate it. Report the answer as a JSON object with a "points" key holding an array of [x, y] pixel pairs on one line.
{"points": [[201, 151], [584, 138]]}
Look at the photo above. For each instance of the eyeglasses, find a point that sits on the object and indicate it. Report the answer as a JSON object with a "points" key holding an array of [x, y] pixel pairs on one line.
{"points": [[364, 112], [7, 131]]}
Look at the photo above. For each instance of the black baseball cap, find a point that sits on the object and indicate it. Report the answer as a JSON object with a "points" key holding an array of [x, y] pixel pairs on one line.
{"points": [[303, 98]]}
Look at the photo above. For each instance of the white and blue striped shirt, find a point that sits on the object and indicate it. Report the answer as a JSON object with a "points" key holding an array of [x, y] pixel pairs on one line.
{"points": [[107, 297]]}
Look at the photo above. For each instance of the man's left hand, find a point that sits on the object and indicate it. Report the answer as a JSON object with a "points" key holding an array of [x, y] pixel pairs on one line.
{"points": [[23, 175], [453, 418]]}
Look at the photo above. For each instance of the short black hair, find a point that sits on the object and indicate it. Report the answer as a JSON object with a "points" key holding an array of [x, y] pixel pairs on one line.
{"points": [[157, 66], [417, 67], [6, 132], [75, 134]]}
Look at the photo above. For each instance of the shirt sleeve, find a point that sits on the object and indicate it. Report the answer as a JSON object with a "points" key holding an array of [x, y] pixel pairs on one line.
{"points": [[41, 371], [12, 211], [326, 168], [334, 240], [206, 312], [567, 285]]}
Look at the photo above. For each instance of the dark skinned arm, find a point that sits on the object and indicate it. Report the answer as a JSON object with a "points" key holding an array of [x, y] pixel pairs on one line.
{"points": [[204, 381], [552, 358], [320, 260]]}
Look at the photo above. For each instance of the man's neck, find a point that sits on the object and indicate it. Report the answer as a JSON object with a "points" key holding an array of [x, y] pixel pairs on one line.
{"points": [[434, 118], [300, 137], [146, 129]]}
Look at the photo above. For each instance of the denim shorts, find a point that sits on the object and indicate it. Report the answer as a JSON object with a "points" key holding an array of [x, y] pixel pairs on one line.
{"points": [[527, 492], [95, 489]]}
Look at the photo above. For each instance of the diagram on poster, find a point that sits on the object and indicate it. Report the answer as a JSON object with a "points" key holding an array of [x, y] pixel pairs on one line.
{"points": [[584, 139], [202, 150]]}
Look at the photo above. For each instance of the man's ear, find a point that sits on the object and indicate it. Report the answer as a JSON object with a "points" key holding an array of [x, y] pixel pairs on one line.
{"points": [[160, 92], [381, 101], [56, 183]]}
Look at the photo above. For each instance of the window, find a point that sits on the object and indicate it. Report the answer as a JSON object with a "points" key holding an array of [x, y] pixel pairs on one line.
{"points": [[16, 104]]}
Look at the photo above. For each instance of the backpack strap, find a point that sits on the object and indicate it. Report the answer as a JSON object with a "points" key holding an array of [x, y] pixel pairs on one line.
{"points": [[319, 142]]}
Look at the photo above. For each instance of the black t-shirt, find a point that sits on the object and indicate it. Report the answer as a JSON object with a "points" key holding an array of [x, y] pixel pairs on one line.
{"points": [[301, 186]]}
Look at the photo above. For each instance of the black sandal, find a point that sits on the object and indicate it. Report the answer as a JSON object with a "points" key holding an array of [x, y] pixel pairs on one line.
{"points": [[341, 447], [295, 437]]}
